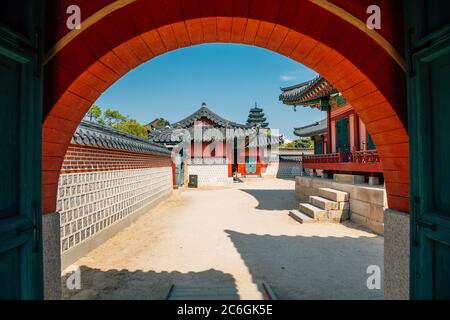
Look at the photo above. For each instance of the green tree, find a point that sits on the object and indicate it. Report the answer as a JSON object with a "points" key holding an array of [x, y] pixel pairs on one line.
{"points": [[132, 127], [302, 143], [94, 113], [113, 117]]}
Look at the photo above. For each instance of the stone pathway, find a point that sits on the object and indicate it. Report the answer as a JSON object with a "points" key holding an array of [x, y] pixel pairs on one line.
{"points": [[233, 237]]}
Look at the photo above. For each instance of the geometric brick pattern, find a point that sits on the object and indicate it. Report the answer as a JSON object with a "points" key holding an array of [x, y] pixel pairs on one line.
{"points": [[86, 159], [93, 201], [129, 35]]}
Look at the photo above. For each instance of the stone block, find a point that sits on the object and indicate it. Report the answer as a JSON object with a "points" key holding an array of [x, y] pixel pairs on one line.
{"points": [[333, 195], [374, 181], [360, 207], [375, 226], [300, 217], [344, 205], [313, 212], [358, 219], [338, 215], [323, 203], [51, 239], [349, 178], [396, 255], [376, 213]]}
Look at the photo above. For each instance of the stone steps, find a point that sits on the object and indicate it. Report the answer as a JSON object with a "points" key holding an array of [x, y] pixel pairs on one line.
{"points": [[333, 195], [300, 217], [323, 203], [313, 211], [330, 206]]}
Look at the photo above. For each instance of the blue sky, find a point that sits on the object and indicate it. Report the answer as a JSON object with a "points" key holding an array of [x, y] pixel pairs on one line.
{"points": [[229, 78]]}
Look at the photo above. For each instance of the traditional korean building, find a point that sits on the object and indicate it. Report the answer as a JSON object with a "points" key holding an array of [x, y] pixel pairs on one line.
{"points": [[342, 143], [214, 148]]}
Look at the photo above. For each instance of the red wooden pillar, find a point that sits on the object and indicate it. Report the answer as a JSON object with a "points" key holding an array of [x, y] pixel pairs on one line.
{"points": [[356, 132], [329, 143]]}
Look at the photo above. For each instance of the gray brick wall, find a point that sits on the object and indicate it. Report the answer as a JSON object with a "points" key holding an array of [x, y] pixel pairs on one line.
{"points": [[91, 202]]}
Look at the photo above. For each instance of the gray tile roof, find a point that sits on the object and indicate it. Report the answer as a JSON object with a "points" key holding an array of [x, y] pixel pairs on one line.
{"points": [[219, 130], [96, 135], [303, 93], [263, 140], [205, 112], [316, 128], [209, 133], [285, 158]]}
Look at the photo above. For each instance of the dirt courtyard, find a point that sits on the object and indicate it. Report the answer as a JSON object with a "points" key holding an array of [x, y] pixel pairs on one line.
{"points": [[234, 237]]}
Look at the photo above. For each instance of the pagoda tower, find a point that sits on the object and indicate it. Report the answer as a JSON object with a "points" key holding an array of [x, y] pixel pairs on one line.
{"points": [[256, 117]]}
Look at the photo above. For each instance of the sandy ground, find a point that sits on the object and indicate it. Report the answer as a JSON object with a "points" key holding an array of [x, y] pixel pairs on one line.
{"points": [[234, 236]]}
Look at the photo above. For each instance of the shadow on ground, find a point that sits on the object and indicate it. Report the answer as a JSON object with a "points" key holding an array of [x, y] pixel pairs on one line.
{"points": [[142, 285], [273, 199], [301, 267]]}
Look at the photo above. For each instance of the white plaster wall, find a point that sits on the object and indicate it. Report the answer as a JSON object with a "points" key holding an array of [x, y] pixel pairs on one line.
{"points": [[213, 174]]}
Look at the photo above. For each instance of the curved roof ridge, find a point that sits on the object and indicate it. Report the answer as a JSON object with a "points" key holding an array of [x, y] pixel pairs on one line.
{"points": [[97, 135], [312, 124], [302, 84], [204, 111], [315, 128]]}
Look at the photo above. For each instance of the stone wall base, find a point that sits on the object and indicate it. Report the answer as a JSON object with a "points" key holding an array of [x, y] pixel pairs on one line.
{"points": [[77, 252], [367, 203], [52, 256], [396, 255]]}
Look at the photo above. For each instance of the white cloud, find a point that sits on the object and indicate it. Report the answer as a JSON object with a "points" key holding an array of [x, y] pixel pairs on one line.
{"points": [[286, 77]]}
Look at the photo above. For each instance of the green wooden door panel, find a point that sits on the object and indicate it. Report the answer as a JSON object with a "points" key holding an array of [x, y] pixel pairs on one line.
{"points": [[428, 57], [343, 137], [370, 143], [318, 145], [442, 271], [21, 27], [9, 277], [10, 73], [440, 121]]}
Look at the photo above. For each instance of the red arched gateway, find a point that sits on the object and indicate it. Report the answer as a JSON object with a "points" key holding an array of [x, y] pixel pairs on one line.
{"points": [[328, 36]]}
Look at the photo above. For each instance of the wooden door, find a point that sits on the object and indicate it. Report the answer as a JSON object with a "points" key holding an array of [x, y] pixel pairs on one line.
{"points": [[21, 33], [370, 143], [343, 137], [428, 55]]}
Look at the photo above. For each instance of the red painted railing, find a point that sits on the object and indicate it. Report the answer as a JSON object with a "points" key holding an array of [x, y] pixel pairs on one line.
{"points": [[367, 157], [322, 158]]}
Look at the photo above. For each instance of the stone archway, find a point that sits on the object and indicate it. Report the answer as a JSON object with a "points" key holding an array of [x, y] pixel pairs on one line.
{"points": [[327, 36]]}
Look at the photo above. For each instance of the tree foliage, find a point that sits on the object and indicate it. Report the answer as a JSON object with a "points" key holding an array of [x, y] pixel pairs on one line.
{"points": [[114, 119], [302, 143], [133, 127], [94, 113]]}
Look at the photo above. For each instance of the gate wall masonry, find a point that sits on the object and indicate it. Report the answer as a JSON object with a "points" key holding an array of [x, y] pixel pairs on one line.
{"points": [[108, 179]]}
